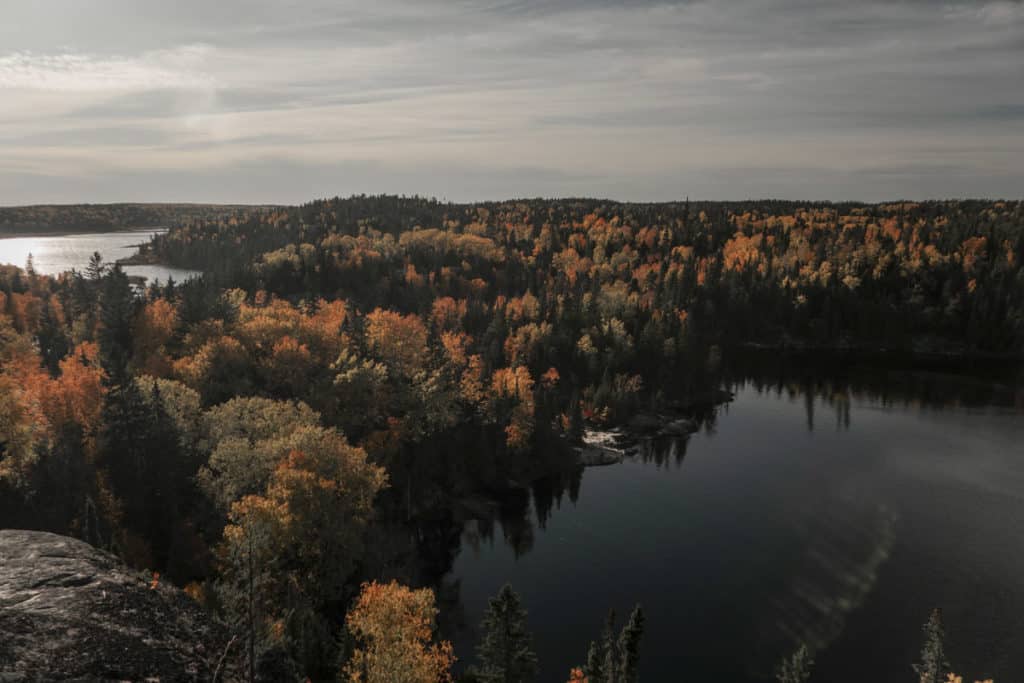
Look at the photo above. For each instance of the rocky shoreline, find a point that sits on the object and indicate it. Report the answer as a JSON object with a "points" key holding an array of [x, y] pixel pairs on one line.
{"points": [[601, 446]]}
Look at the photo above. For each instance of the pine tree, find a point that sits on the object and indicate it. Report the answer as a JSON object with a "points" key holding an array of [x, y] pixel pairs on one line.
{"points": [[629, 647], [617, 660], [611, 660], [94, 271], [53, 342], [796, 668], [506, 651], [934, 666], [117, 303], [595, 663]]}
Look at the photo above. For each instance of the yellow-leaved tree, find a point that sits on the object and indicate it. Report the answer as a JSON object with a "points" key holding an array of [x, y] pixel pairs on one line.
{"points": [[394, 626]]}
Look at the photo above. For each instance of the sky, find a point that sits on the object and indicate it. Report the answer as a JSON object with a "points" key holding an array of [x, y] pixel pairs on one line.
{"points": [[278, 101]]}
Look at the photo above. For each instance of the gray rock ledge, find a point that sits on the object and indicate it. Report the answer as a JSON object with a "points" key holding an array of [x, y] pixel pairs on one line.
{"points": [[71, 612]]}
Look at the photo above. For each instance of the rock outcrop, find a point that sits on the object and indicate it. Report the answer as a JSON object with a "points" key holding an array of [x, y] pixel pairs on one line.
{"points": [[599, 449], [71, 612]]}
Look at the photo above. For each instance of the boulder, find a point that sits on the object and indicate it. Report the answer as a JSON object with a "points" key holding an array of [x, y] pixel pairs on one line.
{"points": [[599, 448], [71, 612]]}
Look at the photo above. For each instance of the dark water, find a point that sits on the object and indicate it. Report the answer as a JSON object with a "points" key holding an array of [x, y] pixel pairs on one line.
{"points": [[54, 254], [808, 511]]}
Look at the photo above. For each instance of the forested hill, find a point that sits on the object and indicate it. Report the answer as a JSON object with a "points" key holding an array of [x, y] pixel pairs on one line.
{"points": [[930, 276], [295, 423], [49, 218]]}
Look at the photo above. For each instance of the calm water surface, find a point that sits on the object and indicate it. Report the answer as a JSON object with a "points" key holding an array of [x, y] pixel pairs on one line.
{"points": [[55, 254], [835, 519]]}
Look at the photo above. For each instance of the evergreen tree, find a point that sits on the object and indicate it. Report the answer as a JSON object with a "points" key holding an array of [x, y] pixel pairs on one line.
{"points": [[506, 651], [933, 667], [617, 660], [611, 659], [796, 668], [629, 647], [53, 342], [117, 303], [94, 271], [595, 663]]}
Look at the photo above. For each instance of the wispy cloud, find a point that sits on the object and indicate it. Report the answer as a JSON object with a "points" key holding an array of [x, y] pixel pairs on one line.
{"points": [[647, 100], [177, 69]]}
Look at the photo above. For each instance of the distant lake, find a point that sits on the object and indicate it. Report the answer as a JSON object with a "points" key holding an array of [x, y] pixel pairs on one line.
{"points": [[805, 511], [53, 254]]}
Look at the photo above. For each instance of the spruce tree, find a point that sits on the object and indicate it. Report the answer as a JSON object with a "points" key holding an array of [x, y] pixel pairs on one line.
{"points": [[94, 271], [53, 342], [506, 651], [117, 307], [796, 668], [617, 660], [595, 663], [933, 667], [629, 647], [611, 659]]}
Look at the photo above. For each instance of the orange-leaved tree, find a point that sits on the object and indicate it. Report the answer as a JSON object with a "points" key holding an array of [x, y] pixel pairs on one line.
{"points": [[576, 675], [394, 626]]}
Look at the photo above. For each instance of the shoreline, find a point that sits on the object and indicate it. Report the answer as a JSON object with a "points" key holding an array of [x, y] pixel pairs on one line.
{"points": [[859, 352], [79, 233]]}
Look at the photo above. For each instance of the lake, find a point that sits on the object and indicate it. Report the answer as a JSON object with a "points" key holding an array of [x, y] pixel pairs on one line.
{"points": [[834, 513], [53, 254]]}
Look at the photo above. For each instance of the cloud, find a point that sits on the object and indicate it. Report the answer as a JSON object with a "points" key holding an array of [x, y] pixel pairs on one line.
{"points": [[623, 97], [69, 72]]}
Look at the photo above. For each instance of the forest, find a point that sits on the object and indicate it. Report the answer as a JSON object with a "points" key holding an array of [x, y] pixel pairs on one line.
{"points": [[81, 218], [274, 435]]}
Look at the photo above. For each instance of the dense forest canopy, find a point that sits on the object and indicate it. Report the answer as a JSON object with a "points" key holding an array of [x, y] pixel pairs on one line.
{"points": [[248, 432], [914, 275]]}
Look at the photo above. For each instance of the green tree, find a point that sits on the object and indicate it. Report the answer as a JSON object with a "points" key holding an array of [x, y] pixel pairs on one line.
{"points": [[506, 651], [52, 340], [617, 660], [94, 271], [117, 306], [933, 667], [629, 647], [796, 668], [595, 662]]}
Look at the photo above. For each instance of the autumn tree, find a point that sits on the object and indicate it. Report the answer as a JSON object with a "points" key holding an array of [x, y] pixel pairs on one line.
{"points": [[18, 433], [248, 437], [399, 341], [576, 675], [512, 402], [153, 330], [288, 551], [394, 627], [506, 651]]}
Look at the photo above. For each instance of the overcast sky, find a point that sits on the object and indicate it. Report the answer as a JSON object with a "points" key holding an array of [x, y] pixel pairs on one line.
{"points": [[284, 101]]}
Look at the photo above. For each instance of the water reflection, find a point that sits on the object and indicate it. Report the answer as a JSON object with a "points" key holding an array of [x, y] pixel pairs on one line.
{"points": [[52, 255], [808, 511], [940, 385]]}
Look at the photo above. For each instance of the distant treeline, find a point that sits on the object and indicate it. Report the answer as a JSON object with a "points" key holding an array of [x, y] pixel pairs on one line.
{"points": [[48, 218], [939, 276]]}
